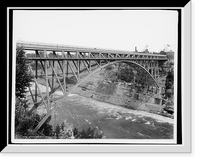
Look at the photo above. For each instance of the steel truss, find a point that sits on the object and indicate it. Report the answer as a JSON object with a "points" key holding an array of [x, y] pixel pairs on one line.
{"points": [[70, 62]]}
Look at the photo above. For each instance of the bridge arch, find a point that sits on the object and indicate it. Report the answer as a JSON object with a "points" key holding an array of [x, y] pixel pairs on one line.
{"points": [[114, 62], [85, 78]]}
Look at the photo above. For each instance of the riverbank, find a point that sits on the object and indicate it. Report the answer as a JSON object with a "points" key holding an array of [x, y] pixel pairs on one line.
{"points": [[104, 105], [115, 122]]}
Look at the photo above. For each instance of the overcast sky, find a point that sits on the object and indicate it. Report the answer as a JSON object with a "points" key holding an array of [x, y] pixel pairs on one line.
{"points": [[113, 29]]}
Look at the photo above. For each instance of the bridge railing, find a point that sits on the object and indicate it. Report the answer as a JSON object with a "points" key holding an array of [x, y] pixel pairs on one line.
{"points": [[95, 52]]}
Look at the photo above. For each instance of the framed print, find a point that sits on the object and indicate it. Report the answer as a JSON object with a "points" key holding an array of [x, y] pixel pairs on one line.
{"points": [[99, 79]]}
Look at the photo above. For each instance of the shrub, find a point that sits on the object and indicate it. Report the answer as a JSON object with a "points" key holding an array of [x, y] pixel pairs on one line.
{"points": [[25, 123], [126, 74], [23, 75], [90, 133]]}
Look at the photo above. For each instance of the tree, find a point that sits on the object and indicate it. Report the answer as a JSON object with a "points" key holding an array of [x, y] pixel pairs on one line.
{"points": [[163, 52], [23, 75], [126, 74], [131, 73], [169, 84], [169, 80], [25, 124], [33, 66], [90, 133]]}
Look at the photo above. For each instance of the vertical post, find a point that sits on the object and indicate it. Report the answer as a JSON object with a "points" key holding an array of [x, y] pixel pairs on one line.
{"points": [[156, 72], [150, 67], [100, 59], [139, 62], [90, 65], [63, 64], [159, 92], [147, 65], [154, 66], [157, 69], [78, 64], [89, 61], [67, 67], [46, 79], [53, 64], [36, 67], [52, 78]]}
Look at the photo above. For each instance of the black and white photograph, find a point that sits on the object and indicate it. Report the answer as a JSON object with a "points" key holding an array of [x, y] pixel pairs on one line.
{"points": [[98, 79], [95, 74]]}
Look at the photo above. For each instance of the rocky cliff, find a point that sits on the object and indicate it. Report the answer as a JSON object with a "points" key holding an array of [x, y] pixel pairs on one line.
{"points": [[102, 86]]}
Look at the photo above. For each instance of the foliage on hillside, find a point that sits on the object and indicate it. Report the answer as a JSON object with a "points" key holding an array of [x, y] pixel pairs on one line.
{"points": [[106, 87], [169, 85], [25, 124], [90, 133], [23, 75], [129, 73], [126, 74]]}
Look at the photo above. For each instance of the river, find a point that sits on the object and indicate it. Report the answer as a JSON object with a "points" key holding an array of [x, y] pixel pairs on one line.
{"points": [[115, 122]]}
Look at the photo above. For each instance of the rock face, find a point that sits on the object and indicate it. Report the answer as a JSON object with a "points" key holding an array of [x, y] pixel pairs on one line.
{"points": [[102, 88]]}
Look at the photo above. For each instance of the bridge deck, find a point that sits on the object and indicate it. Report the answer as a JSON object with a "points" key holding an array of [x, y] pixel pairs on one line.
{"points": [[66, 48], [76, 59]]}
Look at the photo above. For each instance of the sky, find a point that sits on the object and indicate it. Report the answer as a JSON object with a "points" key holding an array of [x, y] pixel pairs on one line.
{"points": [[110, 29]]}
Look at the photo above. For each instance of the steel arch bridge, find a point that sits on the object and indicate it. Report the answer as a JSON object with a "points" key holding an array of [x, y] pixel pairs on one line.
{"points": [[59, 62]]}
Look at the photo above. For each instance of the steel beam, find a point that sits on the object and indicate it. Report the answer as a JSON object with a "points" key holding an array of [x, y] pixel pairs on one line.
{"points": [[36, 68], [64, 79], [47, 85], [60, 48], [93, 59], [73, 72]]}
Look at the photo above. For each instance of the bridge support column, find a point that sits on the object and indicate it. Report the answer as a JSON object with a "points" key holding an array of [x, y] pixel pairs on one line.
{"points": [[64, 71], [159, 92], [52, 78], [53, 75], [157, 69], [78, 68], [146, 65], [90, 65], [155, 75], [36, 68], [152, 67], [46, 79], [67, 67]]}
